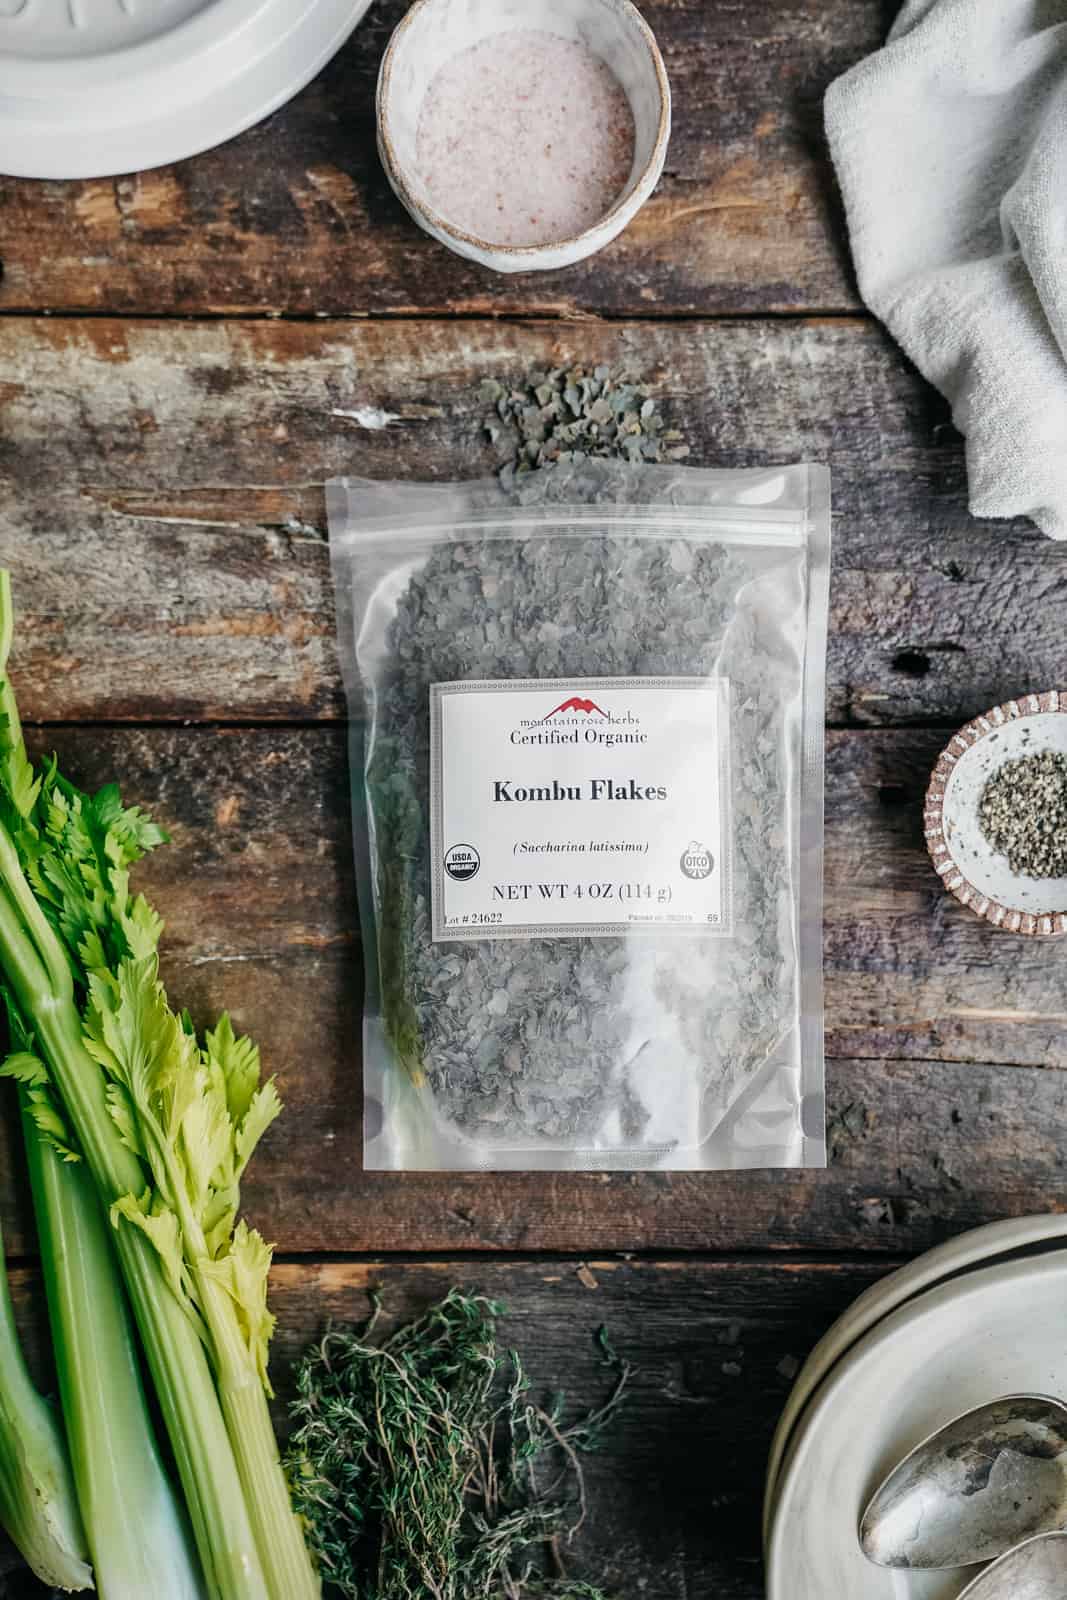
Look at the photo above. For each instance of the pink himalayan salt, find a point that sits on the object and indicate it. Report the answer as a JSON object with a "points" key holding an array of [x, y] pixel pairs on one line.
{"points": [[525, 138]]}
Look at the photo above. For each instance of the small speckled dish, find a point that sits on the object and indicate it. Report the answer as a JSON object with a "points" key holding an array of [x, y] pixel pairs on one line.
{"points": [[433, 31], [969, 867]]}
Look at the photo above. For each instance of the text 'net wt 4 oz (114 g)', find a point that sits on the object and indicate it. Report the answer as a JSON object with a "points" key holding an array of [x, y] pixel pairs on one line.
{"points": [[588, 712]]}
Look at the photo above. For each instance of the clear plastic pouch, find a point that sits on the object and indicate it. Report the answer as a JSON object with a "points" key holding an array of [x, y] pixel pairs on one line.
{"points": [[587, 710]]}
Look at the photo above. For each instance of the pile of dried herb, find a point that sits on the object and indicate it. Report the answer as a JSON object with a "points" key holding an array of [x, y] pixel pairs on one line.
{"points": [[1023, 814], [487, 1025], [575, 414], [424, 1469]]}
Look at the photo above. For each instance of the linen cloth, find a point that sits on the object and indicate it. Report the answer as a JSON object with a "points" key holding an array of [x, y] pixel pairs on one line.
{"points": [[951, 150]]}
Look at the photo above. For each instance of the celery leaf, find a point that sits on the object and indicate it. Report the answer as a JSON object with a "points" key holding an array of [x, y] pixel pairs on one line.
{"points": [[162, 1228], [243, 1273]]}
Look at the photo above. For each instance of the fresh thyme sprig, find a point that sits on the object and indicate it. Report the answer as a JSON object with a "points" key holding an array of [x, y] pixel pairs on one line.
{"points": [[424, 1469]]}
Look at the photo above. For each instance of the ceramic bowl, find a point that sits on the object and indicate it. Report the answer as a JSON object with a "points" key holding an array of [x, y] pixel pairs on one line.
{"points": [[969, 867], [953, 1259], [436, 30]]}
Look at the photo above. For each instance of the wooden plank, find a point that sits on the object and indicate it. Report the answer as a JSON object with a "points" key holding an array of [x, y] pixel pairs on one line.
{"points": [[258, 894], [675, 1494], [162, 501], [297, 216]]}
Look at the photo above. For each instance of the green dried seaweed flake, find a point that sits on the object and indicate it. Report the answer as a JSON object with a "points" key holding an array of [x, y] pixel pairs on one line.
{"points": [[423, 1468], [575, 414]]}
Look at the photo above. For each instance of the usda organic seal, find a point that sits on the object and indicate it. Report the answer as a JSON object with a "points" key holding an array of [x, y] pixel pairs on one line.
{"points": [[698, 862], [462, 862]]}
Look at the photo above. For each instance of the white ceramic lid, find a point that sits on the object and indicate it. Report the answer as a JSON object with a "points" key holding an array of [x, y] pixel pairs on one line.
{"points": [[94, 88]]}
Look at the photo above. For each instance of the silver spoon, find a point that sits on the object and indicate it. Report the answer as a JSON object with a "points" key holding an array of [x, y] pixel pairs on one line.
{"points": [[975, 1489], [1036, 1570]]}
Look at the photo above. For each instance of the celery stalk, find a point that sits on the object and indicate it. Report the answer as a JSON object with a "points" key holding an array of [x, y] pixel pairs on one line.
{"points": [[167, 1127], [38, 1504], [290, 1574], [198, 1114], [138, 1536], [40, 977], [171, 1340]]}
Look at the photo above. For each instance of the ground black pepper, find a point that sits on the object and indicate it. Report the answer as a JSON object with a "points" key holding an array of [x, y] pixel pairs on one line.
{"points": [[1023, 814]]}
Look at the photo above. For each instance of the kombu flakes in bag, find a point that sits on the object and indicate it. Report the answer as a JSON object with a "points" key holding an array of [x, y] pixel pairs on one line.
{"points": [[588, 711]]}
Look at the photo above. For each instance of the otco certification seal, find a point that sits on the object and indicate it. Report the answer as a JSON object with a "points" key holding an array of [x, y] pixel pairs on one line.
{"points": [[698, 862]]}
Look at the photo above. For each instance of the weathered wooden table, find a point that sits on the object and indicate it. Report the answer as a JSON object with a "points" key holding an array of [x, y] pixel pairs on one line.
{"points": [[185, 356]]}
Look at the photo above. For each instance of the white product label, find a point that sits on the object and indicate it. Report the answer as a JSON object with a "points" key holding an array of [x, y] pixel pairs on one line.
{"points": [[596, 806]]}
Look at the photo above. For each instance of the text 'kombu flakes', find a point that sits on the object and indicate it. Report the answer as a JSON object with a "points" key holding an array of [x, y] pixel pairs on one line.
{"points": [[588, 764]]}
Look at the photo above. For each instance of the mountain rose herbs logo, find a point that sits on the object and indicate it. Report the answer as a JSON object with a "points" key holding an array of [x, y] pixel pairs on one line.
{"points": [[578, 720], [576, 703]]}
